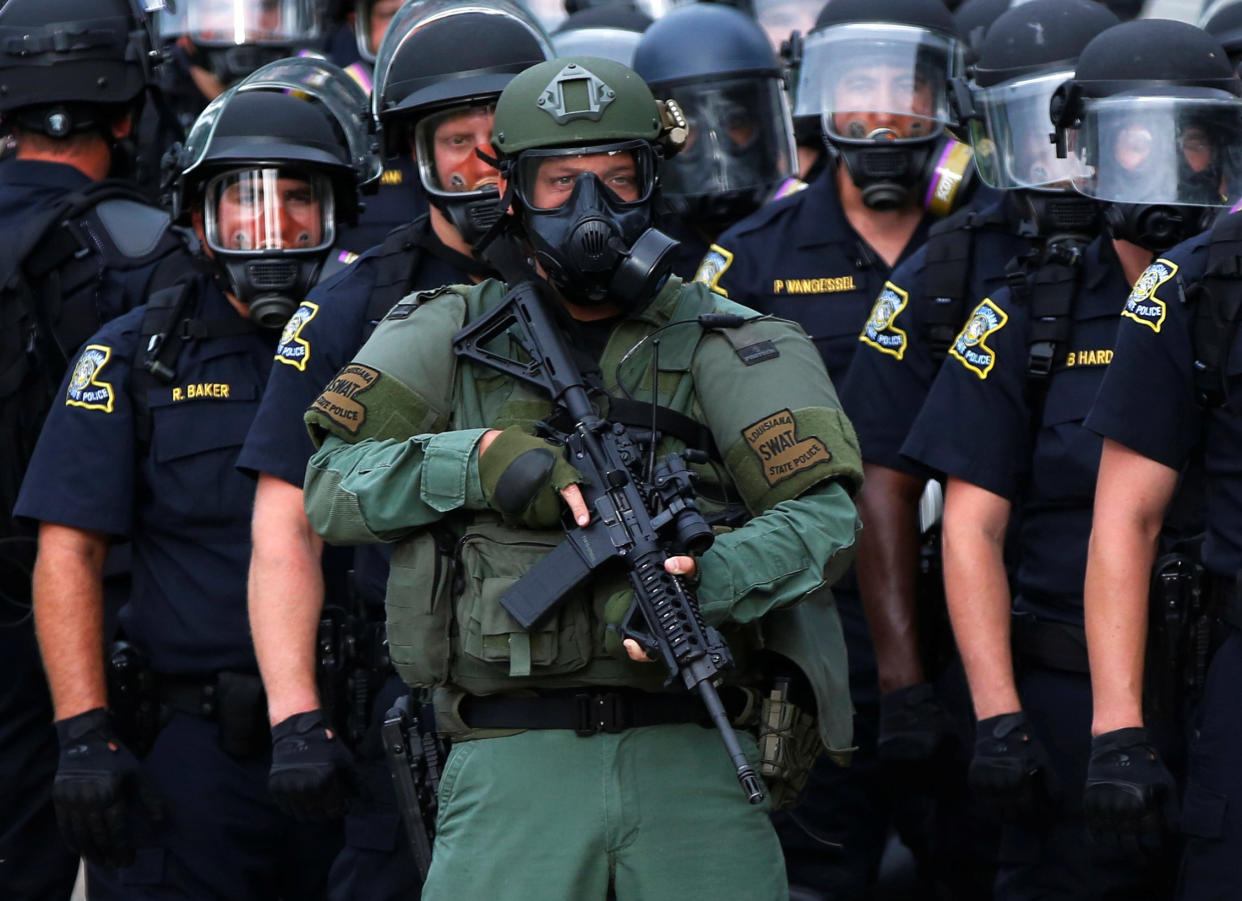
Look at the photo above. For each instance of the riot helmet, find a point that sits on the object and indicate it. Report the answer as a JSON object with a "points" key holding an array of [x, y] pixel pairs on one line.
{"points": [[1223, 21], [612, 31], [716, 63], [231, 39], [440, 68], [876, 73], [974, 18], [71, 66], [1151, 120], [371, 21], [578, 139], [272, 165]]}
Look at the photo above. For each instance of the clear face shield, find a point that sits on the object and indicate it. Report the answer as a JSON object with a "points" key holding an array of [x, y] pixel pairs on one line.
{"points": [[223, 23], [445, 144], [371, 21], [781, 18], [265, 210], [874, 82], [545, 179], [741, 137], [1149, 150], [1010, 137]]}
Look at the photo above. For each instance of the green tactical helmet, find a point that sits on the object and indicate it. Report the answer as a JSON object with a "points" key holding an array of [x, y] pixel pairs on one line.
{"points": [[578, 100]]}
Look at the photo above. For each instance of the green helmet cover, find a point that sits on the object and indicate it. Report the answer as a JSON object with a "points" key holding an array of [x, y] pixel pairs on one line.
{"points": [[574, 101]]}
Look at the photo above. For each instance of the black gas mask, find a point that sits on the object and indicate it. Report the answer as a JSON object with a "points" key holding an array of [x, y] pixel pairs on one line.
{"points": [[1058, 214], [895, 174], [1157, 227], [599, 249]]}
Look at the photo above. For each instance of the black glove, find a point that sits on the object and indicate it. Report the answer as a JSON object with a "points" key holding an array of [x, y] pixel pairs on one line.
{"points": [[913, 724], [97, 780], [312, 773], [1010, 771], [1130, 801]]}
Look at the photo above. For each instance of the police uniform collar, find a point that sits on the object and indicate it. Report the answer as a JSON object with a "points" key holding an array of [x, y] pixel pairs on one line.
{"points": [[820, 218], [425, 237], [42, 173]]}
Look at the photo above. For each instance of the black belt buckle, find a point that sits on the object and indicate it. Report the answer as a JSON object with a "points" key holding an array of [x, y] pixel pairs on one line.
{"points": [[598, 713]]}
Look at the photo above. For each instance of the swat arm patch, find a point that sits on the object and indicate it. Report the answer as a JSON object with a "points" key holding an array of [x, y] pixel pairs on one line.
{"points": [[86, 387], [881, 330], [970, 348], [1142, 305]]}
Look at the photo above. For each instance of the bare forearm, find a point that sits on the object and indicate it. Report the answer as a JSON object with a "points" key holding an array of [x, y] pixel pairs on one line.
{"points": [[887, 561], [68, 611]]}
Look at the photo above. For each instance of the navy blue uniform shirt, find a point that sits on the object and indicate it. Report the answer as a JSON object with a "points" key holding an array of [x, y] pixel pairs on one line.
{"points": [[182, 503], [977, 426], [800, 259], [895, 362], [323, 336], [399, 199]]}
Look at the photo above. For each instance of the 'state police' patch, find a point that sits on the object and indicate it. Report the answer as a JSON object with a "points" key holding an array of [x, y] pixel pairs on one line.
{"points": [[715, 264], [85, 388], [1142, 305], [293, 349], [339, 401], [970, 346], [774, 441], [881, 331]]}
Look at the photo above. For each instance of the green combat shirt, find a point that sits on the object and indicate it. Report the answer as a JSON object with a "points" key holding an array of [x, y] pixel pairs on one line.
{"points": [[398, 431]]}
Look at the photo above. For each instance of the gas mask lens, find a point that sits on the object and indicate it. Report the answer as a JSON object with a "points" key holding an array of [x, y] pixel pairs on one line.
{"points": [[445, 145], [264, 210], [546, 178]]}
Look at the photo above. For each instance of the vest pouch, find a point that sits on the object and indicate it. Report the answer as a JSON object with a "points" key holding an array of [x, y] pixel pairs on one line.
{"points": [[419, 607], [493, 557]]}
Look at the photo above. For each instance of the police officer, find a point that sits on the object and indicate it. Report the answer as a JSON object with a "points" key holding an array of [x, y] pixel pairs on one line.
{"points": [[630, 807], [79, 247], [716, 63], [875, 73], [443, 73], [149, 421], [1004, 421], [1028, 52]]}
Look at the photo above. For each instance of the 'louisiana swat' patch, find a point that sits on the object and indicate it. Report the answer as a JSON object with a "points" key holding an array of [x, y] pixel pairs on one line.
{"points": [[970, 346], [1142, 305], [881, 331], [339, 401], [715, 264], [293, 348], [85, 388], [775, 442]]}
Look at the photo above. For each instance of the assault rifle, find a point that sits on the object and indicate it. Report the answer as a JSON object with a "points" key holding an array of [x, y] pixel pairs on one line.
{"points": [[640, 514]]}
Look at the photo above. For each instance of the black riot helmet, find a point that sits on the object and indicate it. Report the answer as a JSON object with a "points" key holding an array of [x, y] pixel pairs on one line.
{"points": [[440, 68], [612, 31], [975, 17], [272, 165], [876, 73], [717, 64], [1151, 120], [70, 65], [1223, 21]]}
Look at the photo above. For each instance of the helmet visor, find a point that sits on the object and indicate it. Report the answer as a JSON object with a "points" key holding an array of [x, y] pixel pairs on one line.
{"points": [[371, 21], [781, 18], [616, 44], [221, 23], [445, 144], [741, 137], [545, 178], [1153, 149], [1011, 136], [261, 210], [874, 81]]}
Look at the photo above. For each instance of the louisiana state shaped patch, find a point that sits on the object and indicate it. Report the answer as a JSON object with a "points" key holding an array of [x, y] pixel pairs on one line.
{"points": [[970, 347], [715, 264], [881, 330], [86, 388], [293, 349], [1142, 305]]}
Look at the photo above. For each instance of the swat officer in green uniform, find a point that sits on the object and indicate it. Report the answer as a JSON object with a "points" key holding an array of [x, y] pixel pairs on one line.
{"points": [[565, 726]]}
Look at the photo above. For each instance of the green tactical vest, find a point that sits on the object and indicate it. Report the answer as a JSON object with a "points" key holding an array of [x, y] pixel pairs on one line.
{"points": [[446, 628]]}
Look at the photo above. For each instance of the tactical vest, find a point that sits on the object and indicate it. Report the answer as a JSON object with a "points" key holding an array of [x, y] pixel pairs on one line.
{"points": [[446, 629]]}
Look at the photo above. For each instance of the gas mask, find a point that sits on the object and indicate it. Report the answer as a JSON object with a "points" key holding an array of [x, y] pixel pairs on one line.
{"points": [[597, 248], [1157, 227], [459, 182], [897, 174], [269, 231], [1057, 215]]}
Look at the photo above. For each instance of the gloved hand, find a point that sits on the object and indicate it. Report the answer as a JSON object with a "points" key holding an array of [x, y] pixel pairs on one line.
{"points": [[522, 477], [1130, 800], [913, 724], [313, 773], [97, 780], [1010, 771]]}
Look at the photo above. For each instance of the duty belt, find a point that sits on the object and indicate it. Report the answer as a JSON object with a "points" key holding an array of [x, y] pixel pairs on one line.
{"points": [[1054, 645], [588, 713]]}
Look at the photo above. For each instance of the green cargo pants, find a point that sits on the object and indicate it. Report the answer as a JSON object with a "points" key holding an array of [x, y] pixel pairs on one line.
{"points": [[549, 816]]}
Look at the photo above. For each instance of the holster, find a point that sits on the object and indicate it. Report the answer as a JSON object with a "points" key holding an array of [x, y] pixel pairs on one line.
{"points": [[132, 697]]}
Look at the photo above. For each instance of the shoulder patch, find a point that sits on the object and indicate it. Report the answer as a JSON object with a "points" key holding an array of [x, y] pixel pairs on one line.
{"points": [[1142, 305], [293, 349], [715, 264], [86, 389], [758, 352], [881, 330], [970, 346], [782, 455], [339, 401]]}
